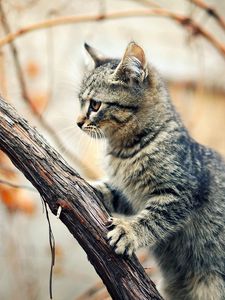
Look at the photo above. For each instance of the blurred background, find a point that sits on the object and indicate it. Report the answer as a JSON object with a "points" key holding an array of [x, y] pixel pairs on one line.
{"points": [[41, 67]]}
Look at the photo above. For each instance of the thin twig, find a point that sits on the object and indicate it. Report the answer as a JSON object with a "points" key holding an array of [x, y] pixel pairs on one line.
{"points": [[17, 186], [84, 167], [185, 21], [211, 11], [52, 248]]}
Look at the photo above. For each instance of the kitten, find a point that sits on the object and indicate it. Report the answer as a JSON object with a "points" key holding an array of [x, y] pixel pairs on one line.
{"points": [[171, 188]]}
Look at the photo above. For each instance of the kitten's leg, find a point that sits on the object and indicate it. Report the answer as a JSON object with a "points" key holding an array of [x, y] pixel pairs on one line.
{"points": [[162, 216], [113, 199], [207, 286], [210, 286]]}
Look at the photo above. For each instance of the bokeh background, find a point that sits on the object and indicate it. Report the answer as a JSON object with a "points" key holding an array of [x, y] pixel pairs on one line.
{"points": [[40, 74]]}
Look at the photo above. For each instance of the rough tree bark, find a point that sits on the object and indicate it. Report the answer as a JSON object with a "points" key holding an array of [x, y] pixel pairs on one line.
{"points": [[82, 211]]}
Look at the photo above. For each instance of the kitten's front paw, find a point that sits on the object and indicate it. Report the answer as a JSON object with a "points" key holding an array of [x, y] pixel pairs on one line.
{"points": [[122, 236]]}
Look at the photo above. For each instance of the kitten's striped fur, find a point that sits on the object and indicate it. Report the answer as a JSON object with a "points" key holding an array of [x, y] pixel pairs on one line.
{"points": [[171, 188]]}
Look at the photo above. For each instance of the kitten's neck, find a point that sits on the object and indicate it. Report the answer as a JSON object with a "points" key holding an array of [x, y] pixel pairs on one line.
{"points": [[129, 140], [126, 145]]}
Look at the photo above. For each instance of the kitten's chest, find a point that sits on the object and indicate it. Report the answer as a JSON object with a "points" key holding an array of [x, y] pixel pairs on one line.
{"points": [[131, 176]]}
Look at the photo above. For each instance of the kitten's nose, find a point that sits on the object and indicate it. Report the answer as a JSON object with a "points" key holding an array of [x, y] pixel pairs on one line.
{"points": [[80, 124], [81, 120]]}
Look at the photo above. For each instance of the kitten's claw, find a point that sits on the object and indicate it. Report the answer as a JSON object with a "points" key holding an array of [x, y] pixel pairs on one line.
{"points": [[122, 237], [109, 223]]}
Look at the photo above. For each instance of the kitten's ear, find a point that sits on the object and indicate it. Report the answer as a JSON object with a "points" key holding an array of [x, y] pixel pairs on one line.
{"points": [[96, 55], [133, 66]]}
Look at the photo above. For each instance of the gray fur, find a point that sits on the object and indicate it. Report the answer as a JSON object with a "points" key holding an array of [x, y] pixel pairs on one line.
{"points": [[171, 188]]}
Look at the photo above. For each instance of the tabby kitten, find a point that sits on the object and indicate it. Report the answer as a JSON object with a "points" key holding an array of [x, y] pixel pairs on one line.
{"points": [[171, 188]]}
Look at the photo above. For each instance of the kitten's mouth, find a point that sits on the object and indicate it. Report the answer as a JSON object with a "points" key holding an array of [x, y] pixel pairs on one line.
{"points": [[94, 132]]}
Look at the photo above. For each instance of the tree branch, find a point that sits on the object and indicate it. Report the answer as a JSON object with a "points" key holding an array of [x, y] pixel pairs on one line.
{"points": [[211, 11], [82, 211], [185, 21]]}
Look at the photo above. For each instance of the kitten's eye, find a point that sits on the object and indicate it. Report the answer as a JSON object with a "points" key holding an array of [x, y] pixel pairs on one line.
{"points": [[95, 105]]}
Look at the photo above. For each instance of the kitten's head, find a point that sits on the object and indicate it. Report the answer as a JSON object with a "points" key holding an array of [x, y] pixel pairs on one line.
{"points": [[112, 94]]}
